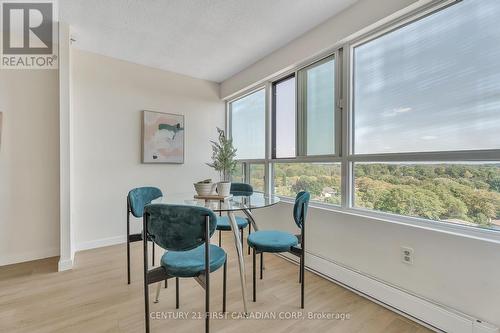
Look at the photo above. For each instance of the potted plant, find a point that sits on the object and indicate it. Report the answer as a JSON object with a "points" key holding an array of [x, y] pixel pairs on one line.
{"points": [[223, 154]]}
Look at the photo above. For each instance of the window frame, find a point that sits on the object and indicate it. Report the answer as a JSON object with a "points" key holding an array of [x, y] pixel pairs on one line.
{"points": [[229, 114], [273, 116], [486, 155], [301, 81], [344, 127]]}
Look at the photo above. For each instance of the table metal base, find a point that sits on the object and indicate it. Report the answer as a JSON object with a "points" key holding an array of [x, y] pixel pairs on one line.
{"points": [[241, 263]]}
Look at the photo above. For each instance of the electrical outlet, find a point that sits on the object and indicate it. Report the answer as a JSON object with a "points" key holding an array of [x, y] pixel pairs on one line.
{"points": [[407, 255]]}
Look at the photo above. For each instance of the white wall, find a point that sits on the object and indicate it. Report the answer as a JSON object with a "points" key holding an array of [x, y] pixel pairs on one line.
{"points": [[461, 273], [108, 96], [29, 165], [66, 234], [324, 36]]}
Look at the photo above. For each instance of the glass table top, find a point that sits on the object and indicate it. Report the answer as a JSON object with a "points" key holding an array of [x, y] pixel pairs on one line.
{"points": [[234, 203]]}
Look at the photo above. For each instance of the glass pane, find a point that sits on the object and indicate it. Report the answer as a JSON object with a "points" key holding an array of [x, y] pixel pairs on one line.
{"points": [[257, 177], [458, 192], [322, 180], [285, 118], [433, 85], [248, 125], [239, 174], [320, 108]]}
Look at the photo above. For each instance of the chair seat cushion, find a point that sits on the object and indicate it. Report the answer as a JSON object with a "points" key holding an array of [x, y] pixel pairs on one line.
{"points": [[191, 263], [271, 241], [223, 222]]}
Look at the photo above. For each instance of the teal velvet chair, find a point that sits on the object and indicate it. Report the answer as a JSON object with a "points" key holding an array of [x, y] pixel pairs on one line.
{"points": [[274, 241], [242, 222], [137, 199], [184, 231]]}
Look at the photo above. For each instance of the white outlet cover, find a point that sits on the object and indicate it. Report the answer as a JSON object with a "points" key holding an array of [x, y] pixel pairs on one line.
{"points": [[407, 255]]}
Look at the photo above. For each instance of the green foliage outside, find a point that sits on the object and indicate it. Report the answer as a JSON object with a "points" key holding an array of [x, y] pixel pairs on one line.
{"points": [[461, 193], [321, 180], [257, 177]]}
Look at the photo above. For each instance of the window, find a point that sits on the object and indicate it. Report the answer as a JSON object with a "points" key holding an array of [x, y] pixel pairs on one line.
{"points": [[284, 118], [257, 177], [415, 108], [248, 126], [322, 180], [459, 192], [319, 107], [432, 85], [239, 174], [426, 91]]}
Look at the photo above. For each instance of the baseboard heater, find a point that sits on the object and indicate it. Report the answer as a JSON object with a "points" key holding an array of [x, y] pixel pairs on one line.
{"points": [[427, 313]]}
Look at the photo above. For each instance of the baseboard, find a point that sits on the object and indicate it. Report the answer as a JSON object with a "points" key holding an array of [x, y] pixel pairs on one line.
{"points": [[100, 243], [434, 316], [480, 327], [64, 265], [28, 256]]}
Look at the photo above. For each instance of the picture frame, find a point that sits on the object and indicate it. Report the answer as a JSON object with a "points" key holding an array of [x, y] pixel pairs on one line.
{"points": [[163, 138]]}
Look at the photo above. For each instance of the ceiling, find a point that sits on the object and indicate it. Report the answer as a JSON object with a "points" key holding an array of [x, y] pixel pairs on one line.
{"points": [[206, 39]]}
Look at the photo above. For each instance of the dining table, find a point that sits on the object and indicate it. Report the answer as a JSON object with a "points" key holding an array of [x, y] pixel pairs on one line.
{"points": [[244, 203]]}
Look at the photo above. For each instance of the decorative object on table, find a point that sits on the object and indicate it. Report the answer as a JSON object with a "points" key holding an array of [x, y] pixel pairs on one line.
{"points": [[223, 154], [162, 137], [205, 187]]}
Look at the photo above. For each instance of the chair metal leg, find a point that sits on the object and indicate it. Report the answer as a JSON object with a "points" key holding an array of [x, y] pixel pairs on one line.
{"points": [[146, 286], [253, 275], [166, 283], [261, 264], [302, 284], [249, 232], [224, 285], [158, 288], [300, 275], [146, 306], [302, 262], [128, 243], [207, 274], [177, 293], [153, 255], [220, 238], [128, 258], [241, 230], [300, 270]]}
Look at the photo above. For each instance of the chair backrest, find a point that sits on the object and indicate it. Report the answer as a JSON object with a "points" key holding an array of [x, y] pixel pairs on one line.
{"points": [[139, 197], [178, 227], [241, 189], [300, 208]]}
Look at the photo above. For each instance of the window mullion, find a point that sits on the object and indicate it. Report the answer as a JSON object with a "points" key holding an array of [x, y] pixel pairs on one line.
{"points": [[300, 93], [345, 142]]}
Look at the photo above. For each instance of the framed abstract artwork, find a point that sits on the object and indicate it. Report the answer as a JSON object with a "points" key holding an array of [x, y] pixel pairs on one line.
{"points": [[162, 137]]}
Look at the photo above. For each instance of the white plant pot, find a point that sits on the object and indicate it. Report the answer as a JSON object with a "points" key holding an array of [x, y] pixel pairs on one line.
{"points": [[224, 188], [204, 188]]}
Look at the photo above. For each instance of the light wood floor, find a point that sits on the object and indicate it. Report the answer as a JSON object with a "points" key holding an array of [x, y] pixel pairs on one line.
{"points": [[94, 297]]}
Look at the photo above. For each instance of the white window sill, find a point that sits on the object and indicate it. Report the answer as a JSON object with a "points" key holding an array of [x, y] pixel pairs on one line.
{"points": [[488, 235]]}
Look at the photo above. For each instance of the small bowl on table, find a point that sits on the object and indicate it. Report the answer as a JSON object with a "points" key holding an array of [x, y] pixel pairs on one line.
{"points": [[203, 189]]}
